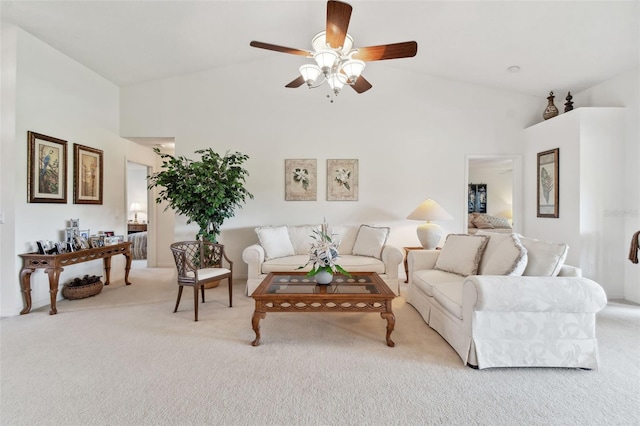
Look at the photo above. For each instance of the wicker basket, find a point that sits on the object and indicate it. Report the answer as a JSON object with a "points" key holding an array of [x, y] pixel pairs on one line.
{"points": [[82, 291]]}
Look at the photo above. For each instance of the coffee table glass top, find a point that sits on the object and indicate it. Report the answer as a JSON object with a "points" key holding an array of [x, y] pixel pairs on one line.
{"points": [[301, 284]]}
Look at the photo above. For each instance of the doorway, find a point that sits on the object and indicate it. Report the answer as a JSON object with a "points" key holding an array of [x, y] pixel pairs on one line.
{"points": [[138, 214], [499, 177]]}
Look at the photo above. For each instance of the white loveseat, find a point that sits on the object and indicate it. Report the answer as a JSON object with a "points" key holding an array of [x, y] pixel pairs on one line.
{"points": [[542, 315], [284, 248]]}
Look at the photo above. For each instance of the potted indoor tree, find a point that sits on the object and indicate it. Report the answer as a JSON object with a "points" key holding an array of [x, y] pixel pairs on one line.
{"points": [[207, 191]]}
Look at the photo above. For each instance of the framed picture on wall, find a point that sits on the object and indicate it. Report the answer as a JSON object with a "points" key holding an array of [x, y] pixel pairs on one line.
{"points": [[549, 183], [300, 180], [46, 169], [342, 180], [477, 202], [87, 175]]}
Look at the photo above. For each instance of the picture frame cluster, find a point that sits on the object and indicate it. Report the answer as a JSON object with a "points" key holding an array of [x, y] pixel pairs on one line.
{"points": [[76, 239], [301, 180], [47, 171]]}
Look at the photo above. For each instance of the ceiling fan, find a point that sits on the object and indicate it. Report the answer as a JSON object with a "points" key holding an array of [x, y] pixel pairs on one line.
{"points": [[337, 61]]}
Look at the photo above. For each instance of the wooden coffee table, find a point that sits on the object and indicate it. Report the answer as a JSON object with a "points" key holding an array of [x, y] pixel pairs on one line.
{"points": [[295, 292]]}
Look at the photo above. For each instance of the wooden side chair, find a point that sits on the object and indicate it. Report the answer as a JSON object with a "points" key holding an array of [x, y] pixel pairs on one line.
{"points": [[200, 263]]}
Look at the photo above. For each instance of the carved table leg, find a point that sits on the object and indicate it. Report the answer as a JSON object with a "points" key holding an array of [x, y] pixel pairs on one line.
{"points": [[107, 270], [127, 267], [255, 322], [25, 284], [391, 323], [54, 276]]}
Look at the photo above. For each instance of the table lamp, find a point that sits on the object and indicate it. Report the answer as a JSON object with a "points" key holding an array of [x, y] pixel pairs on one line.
{"points": [[429, 233], [135, 207]]}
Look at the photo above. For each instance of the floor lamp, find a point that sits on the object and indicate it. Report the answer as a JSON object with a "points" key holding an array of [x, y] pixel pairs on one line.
{"points": [[429, 233]]}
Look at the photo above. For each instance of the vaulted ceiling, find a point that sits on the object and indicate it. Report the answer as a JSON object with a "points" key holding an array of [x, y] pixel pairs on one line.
{"points": [[561, 45]]}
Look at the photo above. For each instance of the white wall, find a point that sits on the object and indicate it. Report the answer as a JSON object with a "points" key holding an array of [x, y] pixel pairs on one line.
{"points": [[410, 133], [56, 96], [591, 151], [624, 91], [137, 190]]}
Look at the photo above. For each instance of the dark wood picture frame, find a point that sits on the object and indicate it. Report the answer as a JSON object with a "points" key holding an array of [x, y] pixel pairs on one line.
{"points": [[548, 197], [87, 175], [46, 169]]}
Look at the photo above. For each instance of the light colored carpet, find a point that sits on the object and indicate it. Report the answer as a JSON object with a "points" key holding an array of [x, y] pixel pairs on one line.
{"points": [[123, 358]]}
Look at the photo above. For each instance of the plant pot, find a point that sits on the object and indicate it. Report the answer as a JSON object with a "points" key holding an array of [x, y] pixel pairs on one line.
{"points": [[82, 291], [323, 277]]}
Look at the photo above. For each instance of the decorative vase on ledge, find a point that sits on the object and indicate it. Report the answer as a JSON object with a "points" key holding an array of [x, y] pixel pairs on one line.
{"points": [[551, 110], [323, 277]]}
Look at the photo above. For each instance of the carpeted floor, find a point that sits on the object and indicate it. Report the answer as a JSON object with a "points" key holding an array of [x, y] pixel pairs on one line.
{"points": [[123, 358]]}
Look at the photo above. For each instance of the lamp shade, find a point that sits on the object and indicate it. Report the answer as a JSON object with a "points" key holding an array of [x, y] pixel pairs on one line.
{"points": [[429, 210], [325, 59], [310, 73], [429, 234], [353, 68], [135, 207]]}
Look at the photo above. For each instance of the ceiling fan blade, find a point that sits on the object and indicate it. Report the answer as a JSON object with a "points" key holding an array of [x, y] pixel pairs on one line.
{"points": [[387, 51], [362, 85], [282, 49], [296, 83], [338, 16]]}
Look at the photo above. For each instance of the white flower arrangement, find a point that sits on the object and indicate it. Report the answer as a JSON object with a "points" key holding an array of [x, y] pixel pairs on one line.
{"points": [[323, 253]]}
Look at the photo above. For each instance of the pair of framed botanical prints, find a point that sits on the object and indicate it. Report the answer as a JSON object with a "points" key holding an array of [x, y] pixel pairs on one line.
{"points": [[301, 178], [47, 171]]}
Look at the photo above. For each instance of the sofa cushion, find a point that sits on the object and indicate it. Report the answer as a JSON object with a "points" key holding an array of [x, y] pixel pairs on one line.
{"points": [[425, 279], [349, 262], [461, 254], [275, 241], [450, 296], [370, 241], [545, 258], [504, 255], [300, 237], [346, 234]]}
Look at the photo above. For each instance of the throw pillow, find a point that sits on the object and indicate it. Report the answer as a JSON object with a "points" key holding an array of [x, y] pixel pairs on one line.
{"points": [[545, 258], [461, 254], [301, 237], [504, 255], [275, 241], [370, 241], [481, 221], [498, 222]]}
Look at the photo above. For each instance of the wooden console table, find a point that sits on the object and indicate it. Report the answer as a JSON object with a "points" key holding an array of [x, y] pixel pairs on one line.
{"points": [[53, 266]]}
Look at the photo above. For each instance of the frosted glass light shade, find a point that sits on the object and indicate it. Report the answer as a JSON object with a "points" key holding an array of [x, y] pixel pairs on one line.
{"points": [[135, 207], [336, 81], [353, 68], [325, 59], [310, 73]]}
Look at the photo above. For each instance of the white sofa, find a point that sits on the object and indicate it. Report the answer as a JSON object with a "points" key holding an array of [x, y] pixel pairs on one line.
{"points": [[543, 315], [284, 248]]}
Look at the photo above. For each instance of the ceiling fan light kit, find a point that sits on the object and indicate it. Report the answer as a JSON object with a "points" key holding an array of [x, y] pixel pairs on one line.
{"points": [[338, 63]]}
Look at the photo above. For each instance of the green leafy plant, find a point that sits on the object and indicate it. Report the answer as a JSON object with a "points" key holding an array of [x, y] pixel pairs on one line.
{"points": [[207, 191]]}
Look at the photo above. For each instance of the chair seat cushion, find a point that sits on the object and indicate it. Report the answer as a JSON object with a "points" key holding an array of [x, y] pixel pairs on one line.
{"points": [[206, 273]]}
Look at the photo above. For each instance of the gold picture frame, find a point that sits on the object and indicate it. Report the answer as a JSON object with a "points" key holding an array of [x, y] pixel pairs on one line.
{"points": [[300, 182], [548, 201], [87, 175], [46, 169], [342, 180]]}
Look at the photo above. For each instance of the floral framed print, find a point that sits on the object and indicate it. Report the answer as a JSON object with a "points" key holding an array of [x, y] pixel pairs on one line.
{"points": [[342, 180], [300, 180], [549, 183], [46, 169], [87, 175]]}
